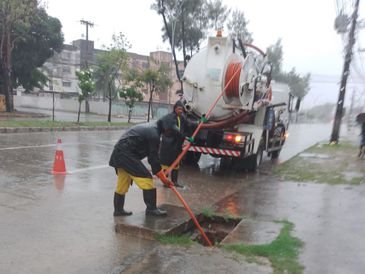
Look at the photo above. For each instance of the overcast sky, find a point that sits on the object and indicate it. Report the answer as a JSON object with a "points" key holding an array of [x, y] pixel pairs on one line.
{"points": [[306, 27]]}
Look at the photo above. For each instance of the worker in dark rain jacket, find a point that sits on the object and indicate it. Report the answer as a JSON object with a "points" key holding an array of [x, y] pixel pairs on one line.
{"points": [[171, 146], [138, 142]]}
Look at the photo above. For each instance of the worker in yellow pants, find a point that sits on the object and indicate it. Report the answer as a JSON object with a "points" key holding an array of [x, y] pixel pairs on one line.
{"points": [[138, 142], [125, 180]]}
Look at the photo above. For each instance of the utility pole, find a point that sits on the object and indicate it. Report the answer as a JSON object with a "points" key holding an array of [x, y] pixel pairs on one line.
{"points": [[345, 74], [86, 65], [349, 115], [87, 24]]}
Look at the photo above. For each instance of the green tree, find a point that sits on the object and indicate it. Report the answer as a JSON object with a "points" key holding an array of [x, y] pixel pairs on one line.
{"points": [[109, 68], [157, 80], [185, 24], [130, 95], [217, 14], [237, 27], [40, 41], [15, 16], [86, 85], [299, 85], [168, 10], [191, 26], [275, 57]]}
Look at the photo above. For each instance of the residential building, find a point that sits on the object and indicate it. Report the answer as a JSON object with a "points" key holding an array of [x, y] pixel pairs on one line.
{"points": [[61, 69]]}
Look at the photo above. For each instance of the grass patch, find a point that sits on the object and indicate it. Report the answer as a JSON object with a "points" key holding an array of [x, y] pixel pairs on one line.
{"points": [[283, 252], [208, 212], [52, 124], [300, 170], [357, 180], [335, 168], [182, 240], [323, 148]]}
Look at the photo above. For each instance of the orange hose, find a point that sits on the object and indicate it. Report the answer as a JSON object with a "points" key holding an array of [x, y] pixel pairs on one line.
{"points": [[191, 215], [185, 149], [234, 86]]}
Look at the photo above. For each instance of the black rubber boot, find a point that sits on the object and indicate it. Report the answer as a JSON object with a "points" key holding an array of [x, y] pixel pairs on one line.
{"points": [[150, 197], [174, 176], [119, 206]]}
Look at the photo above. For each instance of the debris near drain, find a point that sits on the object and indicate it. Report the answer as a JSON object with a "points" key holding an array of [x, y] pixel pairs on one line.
{"points": [[216, 227]]}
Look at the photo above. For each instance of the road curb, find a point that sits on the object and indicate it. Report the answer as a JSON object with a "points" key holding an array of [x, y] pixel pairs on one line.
{"points": [[51, 129]]}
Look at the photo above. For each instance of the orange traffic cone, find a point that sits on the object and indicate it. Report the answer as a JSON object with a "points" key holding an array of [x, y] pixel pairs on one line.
{"points": [[59, 166]]}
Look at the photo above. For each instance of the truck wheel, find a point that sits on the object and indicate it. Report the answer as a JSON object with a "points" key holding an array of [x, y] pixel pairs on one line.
{"points": [[275, 154], [192, 158], [259, 155], [278, 133], [225, 163], [255, 160]]}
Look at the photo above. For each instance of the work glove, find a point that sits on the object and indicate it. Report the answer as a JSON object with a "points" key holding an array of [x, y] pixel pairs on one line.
{"points": [[161, 175]]}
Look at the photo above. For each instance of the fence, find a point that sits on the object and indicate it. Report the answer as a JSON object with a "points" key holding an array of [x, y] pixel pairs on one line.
{"points": [[99, 107]]}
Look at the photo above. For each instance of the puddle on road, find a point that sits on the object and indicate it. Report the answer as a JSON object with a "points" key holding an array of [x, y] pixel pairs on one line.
{"points": [[215, 227]]}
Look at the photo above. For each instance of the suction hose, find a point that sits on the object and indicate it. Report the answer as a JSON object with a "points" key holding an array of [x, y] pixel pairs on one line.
{"points": [[240, 118], [232, 79], [185, 150]]}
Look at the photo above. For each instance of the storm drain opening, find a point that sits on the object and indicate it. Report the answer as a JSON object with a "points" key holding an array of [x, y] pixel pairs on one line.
{"points": [[215, 227]]}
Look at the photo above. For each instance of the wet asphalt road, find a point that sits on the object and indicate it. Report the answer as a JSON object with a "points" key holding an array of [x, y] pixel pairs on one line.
{"points": [[65, 225]]}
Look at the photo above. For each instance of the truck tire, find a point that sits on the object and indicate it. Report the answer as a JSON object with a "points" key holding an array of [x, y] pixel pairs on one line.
{"points": [[278, 132], [275, 154], [259, 155], [255, 160], [192, 158], [225, 163]]}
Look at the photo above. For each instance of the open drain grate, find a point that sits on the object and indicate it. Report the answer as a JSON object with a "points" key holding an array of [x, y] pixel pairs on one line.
{"points": [[176, 224], [215, 227]]}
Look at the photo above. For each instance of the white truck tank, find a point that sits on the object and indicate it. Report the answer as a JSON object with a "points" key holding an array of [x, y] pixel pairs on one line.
{"points": [[211, 70]]}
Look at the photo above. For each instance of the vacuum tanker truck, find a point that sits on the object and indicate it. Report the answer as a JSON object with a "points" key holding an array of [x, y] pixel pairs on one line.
{"points": [[251, 115]]}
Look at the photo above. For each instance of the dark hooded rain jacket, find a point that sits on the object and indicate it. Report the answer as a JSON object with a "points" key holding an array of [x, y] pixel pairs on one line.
{"points": [[138, 142]]}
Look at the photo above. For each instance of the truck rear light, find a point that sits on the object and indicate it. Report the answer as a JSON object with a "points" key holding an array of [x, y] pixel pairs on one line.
{"points": [[234, 138], [228, 137], [238, 139]]}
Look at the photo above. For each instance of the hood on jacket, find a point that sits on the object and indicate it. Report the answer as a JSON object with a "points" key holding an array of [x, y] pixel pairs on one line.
{"points": [[167, 122], [179, 103]]}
